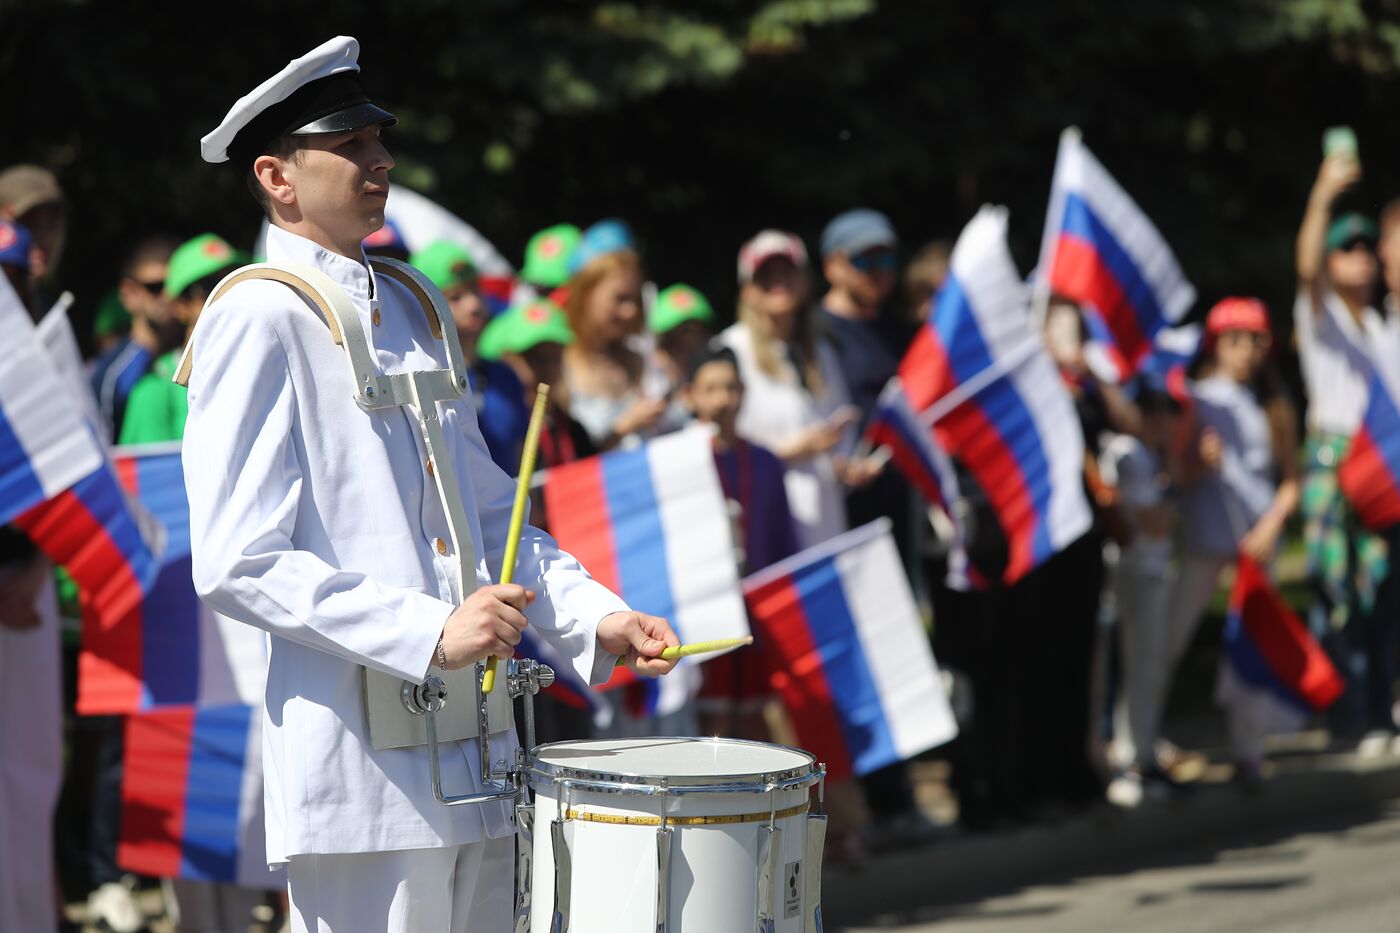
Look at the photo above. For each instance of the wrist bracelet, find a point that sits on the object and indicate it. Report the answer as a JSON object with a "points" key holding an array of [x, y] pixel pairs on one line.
{"points": [[442, 655]]}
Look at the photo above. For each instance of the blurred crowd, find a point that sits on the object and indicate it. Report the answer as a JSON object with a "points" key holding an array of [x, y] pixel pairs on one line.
{"points": [[1060, 680]]}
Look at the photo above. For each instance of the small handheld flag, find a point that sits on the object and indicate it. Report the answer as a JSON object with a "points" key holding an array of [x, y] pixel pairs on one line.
{"points": [[1101, 251]]}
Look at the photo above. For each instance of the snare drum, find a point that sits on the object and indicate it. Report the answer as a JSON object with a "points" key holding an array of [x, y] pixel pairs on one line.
{"points": [[674, 835]]}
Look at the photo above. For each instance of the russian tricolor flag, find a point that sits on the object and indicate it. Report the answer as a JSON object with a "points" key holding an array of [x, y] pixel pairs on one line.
{"points": [[1101, 251], [1173, 351], [90, 530], [979, 374], [192, 796], [1271, 649], [651, 524], [45, 447], [57, 486], [895, 426], [1370, 472], [852, 658], [166, 648]]}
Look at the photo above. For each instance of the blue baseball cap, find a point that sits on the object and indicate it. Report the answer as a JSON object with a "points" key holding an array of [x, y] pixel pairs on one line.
{"points": [[14, 245], [856, 231], [604, 237]]}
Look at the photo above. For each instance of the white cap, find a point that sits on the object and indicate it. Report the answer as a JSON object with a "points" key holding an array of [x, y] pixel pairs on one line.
{"points": [[766, 245], [270, 110]]}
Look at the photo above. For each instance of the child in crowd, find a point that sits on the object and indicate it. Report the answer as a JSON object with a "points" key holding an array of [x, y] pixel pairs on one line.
{"points": [[496, 391], [1240, 483], [682, 322], [1139, 470], [547, 257], [737, 685], [530, 338]]}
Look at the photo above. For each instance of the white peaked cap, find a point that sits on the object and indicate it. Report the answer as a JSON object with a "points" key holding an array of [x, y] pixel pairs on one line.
{"points": [[297, 100]]}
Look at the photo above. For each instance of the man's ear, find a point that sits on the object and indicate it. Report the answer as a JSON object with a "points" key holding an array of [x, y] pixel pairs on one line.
{"points": [[271, 174], [687, 398]]}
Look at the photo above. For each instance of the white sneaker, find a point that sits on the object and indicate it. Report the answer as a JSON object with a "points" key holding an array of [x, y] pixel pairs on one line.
{"points": [[113, 907], [1374, 744], [1125, 790]]}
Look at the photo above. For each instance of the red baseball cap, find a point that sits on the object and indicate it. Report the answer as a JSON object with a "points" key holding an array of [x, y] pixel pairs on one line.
{"points": [[1237, 314]]}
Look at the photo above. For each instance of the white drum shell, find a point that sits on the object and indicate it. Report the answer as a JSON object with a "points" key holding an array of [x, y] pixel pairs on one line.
{"points": [[714, 868]]}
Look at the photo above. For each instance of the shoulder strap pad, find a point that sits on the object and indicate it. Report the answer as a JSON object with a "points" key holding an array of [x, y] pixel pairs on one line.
{"points": [[317, 287]]}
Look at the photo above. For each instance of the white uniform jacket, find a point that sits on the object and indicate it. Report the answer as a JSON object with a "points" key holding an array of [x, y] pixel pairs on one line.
{"points": [[318, 522]]}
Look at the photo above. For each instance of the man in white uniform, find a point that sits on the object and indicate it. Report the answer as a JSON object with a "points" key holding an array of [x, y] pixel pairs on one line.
{"points": [[320, 523]]}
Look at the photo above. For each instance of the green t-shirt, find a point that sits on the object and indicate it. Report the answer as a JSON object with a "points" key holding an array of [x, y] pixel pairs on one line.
{"points": [[157, 408]]}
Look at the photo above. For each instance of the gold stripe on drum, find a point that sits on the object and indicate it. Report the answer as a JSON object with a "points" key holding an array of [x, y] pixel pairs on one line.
{"points": [[620, 819]]}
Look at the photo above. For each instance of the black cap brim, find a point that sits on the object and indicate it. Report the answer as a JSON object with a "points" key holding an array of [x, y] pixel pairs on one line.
{"points": [[351, 118]]}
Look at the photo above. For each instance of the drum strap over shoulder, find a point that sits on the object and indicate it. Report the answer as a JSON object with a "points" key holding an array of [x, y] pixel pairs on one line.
{"points": [[333, 304]]}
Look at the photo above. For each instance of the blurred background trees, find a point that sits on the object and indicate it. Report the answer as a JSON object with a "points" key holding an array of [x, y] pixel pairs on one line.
{"points": [[701, 121]]}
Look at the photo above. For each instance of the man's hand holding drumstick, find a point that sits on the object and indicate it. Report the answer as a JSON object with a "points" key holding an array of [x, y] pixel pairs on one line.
{"points": [[488, 624], [638, 639]]}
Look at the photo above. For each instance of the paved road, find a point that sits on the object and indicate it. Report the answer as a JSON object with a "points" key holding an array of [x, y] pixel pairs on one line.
{"points": [[1335, 875]]}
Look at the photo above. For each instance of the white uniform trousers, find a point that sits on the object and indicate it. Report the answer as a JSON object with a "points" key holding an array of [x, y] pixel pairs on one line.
{"points": [[461, 889], [31, 768]]}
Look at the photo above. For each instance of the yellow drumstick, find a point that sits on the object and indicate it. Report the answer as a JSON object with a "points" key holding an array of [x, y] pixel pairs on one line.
{"points": [[702, 647], [517, 513]]}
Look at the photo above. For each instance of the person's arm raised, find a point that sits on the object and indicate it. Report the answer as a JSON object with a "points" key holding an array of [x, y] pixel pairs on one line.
{"points": [[1337, 174]]}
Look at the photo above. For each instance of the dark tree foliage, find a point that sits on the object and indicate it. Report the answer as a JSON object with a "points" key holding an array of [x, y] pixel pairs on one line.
{"points": [[701, 121]]}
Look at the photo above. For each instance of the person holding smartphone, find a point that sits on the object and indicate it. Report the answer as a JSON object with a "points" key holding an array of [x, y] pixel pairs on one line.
{"points": [[1337, 329]]}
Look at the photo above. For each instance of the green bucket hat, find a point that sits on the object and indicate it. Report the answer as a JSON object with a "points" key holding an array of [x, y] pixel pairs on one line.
{"points": [[1348, 227], [199, 258], [112, 316], [678, 304], [524, 326], [445, 263], [547, 255]]}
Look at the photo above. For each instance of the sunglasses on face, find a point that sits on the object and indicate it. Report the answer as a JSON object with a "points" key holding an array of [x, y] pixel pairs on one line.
{"points": [[155, 288], [884, 260], [1356, 243]]}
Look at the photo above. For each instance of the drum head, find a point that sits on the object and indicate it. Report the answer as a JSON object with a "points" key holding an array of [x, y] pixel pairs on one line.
{"points": [[679, 760]]}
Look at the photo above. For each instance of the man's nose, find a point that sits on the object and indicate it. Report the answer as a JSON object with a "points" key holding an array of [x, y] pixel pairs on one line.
{"points": [[381, 161]]}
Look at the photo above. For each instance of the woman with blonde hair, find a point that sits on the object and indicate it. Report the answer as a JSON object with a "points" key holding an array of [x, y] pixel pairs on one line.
{"points": [[795, 399], [603, 374]]}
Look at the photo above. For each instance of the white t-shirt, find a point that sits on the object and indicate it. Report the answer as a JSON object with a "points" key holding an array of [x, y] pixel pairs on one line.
{"points": [[775, 409], [1335, 353], [1136, 473], [1219, 507]]}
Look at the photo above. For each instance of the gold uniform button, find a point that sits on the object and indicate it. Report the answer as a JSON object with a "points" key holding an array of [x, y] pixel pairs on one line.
{"points": [[375, 317], [441, 546], [430, 468]]}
